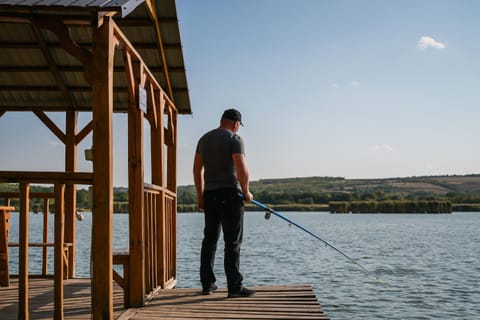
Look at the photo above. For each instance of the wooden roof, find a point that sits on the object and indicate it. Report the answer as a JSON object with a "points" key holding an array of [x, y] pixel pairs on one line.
{"points": [[38, 73]]}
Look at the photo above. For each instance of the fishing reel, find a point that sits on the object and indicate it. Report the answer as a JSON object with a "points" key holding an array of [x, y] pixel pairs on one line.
{"points": [[268, 214]]}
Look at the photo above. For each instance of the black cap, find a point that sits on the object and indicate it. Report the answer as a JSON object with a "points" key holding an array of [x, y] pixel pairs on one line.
{"points": [[232, 114]]}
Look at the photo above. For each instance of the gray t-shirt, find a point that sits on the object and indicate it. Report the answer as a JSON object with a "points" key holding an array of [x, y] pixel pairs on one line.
{"points": [[216, 148]]}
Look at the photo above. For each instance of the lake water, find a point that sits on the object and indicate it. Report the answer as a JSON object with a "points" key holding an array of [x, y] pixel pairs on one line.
{"points": [[430, 263]]}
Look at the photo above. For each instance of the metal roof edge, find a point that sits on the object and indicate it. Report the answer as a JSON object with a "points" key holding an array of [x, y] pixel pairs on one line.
{"points": [[126, 6]]}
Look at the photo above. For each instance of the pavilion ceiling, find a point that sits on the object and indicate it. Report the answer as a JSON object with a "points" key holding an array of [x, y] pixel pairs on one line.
{"points": [[44, 52]]}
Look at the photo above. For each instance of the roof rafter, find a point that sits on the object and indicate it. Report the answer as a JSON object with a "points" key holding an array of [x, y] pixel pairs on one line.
{"points": [[152, 12], [69, 99]]}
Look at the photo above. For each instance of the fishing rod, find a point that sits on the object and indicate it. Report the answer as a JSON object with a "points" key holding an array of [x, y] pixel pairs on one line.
{"points": [[268, 213]]}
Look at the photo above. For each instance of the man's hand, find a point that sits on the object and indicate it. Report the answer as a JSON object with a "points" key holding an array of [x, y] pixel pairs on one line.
{"points": [[200, 205], [248, 197]]}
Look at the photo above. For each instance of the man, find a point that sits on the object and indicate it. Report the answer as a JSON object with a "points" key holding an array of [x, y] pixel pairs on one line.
{"points": [[221, 174]]}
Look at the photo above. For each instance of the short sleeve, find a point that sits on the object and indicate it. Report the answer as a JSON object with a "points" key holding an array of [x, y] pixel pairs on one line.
{"points": [[237, 145]]}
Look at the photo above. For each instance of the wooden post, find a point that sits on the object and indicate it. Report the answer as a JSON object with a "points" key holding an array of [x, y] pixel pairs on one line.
{"points": [[172, 151], [135, 203], [58, 250], [23, 251], [172, 186], [4, 229], [102, 105], [158, 163], [158, 141], [70, 189]]}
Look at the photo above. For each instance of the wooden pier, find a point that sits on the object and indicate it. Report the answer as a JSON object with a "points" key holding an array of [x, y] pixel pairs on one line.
{"points": [[77, 299], [270, 302]]}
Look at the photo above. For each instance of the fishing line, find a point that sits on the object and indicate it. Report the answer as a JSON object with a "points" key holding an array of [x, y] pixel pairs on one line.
{"points": [[268, 213]]}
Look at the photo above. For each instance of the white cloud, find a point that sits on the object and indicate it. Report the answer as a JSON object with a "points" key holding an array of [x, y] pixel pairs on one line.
{"points": [[334, 86], [380, 148], [426, 42], [354, 83]]}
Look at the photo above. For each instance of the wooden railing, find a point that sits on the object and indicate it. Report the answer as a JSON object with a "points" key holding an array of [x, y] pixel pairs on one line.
{"points": [[59, 180], [45, 244], [159, 226], [160, 237], [166, 253]]}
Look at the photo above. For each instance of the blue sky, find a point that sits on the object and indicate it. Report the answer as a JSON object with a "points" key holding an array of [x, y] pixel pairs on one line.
{"points": [[359, 89]]}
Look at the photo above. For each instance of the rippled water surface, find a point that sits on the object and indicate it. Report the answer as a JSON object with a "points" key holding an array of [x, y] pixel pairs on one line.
{"points": [[430, 264]]}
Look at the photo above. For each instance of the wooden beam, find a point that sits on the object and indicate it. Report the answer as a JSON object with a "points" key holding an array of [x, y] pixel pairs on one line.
{"points": [[102, 102], [51, 125], [84, 132]]}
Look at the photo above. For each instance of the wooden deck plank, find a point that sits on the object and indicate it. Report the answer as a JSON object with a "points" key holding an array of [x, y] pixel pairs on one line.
{"points": [[270, 302], [77, 299]]}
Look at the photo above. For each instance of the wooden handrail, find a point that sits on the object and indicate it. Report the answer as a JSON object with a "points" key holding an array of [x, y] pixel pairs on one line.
{"points": [[48, 177], [14, 194], [155, 188]]}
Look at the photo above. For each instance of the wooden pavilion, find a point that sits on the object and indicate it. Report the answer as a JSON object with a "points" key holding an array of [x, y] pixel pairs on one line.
{"points": [[99, 57]]}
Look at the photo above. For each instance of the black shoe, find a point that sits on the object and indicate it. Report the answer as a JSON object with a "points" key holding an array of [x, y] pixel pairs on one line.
{"points": [[242, 293], [209, 290]]}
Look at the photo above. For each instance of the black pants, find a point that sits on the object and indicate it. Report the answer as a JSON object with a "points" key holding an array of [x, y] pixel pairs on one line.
{"points": [[223, 209]]}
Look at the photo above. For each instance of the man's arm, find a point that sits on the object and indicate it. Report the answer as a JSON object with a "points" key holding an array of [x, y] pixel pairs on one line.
{"points": [[242, 175], [198, 179]]}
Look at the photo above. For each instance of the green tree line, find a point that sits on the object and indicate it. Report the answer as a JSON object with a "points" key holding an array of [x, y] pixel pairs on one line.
{"points": [[314, 193], [419, 206]]}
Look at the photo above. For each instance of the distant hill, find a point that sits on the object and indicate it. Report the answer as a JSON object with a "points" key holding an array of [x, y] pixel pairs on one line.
{"points": [[432, 185], [458, 189]]}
